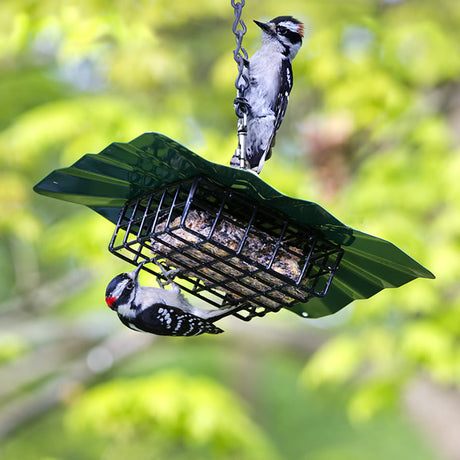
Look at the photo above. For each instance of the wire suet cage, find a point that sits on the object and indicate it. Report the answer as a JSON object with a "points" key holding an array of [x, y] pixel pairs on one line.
{"points": [[228, 251]]}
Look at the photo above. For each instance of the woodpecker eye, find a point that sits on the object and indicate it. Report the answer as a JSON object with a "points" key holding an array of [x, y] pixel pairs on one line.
{"points": [[130, 285], [282, 31]]}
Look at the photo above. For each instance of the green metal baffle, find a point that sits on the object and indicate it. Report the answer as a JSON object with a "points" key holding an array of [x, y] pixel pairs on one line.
{"points": [[234, 238]]}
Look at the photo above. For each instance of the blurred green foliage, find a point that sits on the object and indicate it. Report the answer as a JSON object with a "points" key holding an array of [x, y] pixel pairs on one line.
{"points": [[277, 413], [174, 409], [371, 133]]}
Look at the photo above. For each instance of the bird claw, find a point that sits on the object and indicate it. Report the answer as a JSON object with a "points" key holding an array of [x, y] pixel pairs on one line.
{"points": [[241, 105], [173, 272], [168, 274], [161, 283]]}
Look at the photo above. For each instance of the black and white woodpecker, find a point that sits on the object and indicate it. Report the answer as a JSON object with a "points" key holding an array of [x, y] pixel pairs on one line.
{"points": [[269, 74], [157, 310]]}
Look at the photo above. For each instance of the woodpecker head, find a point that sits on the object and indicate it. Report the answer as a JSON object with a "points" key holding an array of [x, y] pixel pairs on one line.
{"points": [[285, 31], [122, 289]]}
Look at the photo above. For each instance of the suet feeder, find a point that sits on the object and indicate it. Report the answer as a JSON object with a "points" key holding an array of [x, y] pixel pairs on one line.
{"points": [[229, 251], [235, 239]]}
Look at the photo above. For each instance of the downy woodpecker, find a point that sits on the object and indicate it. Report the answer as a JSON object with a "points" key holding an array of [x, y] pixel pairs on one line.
{"points": [[269, 73], [157, 310]]}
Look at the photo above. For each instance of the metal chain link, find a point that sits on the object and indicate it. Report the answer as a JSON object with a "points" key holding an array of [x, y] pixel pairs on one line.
{"points": [[240, 54], [241, 83]]}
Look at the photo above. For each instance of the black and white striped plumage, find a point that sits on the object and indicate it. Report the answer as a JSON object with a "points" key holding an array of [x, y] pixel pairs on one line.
{"points": [[269, 73], [159, 311]]}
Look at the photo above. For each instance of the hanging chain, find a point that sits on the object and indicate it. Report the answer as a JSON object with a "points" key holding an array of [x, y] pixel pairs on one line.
{"points": [[240, 54], [241, 83]]}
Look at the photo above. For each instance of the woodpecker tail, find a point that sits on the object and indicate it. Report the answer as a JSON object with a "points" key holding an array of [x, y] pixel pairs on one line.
{"points": [[260, 136], [212, 329]]}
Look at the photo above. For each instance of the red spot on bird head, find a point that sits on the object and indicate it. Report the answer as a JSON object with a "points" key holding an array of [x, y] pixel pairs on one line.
{"points": [[110, 301], [301, 29]]}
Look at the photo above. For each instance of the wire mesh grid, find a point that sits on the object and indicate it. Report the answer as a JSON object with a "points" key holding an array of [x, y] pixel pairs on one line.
{"points": [[228, 251]]}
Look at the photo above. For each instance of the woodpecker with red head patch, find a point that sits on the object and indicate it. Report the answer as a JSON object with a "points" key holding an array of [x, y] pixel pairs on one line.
{"points": [[269, 73], [157, 310]]}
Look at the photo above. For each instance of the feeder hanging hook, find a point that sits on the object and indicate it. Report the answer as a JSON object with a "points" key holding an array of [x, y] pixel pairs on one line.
{"points": [[241, 83]]}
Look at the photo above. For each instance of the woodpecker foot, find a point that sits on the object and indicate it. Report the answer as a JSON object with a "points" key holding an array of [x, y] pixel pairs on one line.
{"points": [[168, 274], [241, 106]]}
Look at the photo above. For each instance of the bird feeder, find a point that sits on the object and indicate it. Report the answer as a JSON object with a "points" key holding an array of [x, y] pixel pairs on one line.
{"points": [[234, 239]]}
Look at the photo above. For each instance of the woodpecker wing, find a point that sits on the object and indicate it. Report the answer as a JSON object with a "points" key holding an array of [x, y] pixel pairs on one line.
{"points": [[161, 319], [281, 103]]}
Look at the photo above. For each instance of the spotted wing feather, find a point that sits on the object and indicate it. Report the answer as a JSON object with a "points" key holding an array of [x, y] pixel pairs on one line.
{"points": [[281, 103], [163, 319]]}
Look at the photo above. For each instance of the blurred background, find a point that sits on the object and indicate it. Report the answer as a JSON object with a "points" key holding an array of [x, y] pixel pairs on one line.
{"points": [[371, 133]]}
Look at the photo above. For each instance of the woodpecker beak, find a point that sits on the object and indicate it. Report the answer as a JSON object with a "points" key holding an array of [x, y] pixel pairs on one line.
{"points": [[266, 27], [138, 269]]}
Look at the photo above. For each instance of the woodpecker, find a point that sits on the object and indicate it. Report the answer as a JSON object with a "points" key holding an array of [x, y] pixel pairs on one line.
{"points": [[158, 310], [269, 74]]}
